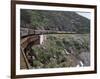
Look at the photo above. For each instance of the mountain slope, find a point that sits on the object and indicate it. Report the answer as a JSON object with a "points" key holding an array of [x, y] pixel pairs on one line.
{"points": [[54, 20]]}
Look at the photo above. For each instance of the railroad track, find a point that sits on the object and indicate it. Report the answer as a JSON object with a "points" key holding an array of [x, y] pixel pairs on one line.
{"points": [[24, 64], [29, 40]]}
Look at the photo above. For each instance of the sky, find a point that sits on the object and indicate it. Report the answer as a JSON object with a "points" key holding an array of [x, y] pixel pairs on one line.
{"points": [[85, 14]]}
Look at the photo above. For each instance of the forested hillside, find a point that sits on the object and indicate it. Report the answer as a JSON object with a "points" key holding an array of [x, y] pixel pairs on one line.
{"points": [[61, 50], [68, 49], [54, 20]]}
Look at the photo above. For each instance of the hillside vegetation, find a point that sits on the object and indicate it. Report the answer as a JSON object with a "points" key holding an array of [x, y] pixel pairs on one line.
{"points": [[54, 20], [61, 50], [58, 50]]}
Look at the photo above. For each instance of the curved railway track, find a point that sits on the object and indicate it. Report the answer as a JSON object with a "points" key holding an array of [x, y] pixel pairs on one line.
{"points": [[25, 42]]}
